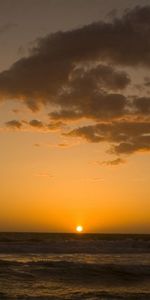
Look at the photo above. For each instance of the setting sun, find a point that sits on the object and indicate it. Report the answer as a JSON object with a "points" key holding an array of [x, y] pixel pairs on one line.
{"points": [[74, 149], [79, 228]]}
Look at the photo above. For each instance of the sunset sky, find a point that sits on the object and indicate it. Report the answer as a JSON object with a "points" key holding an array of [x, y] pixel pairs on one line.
{"points": [[75, 115]]}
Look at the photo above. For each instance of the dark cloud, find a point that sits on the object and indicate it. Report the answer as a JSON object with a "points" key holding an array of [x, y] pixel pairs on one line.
{"points": [[99, 106], [142, 105], [14, 124], [66, 114], [55, 125], [114, 162], [77, 75], [38, 79], [138, 143], [87, 96], [147, 81], [99, 76], [36, 123], [124, 137]]}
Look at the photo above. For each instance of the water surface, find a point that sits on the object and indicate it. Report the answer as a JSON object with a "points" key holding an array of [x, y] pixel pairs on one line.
{"points": [[74, 267]]}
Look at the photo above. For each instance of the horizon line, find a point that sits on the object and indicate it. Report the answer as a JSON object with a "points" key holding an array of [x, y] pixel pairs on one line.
{"points": [[78, 233]]}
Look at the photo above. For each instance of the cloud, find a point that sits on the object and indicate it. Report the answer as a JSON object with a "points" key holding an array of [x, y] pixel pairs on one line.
{"points": [[63, 145], [114, 162], [142, 105], [124, 137], [99, 106], [25, 125], [139, 143], [38, 78], [55, 125], [65, 114], [89, 94], [14, 124], [85, 75], [44, 175], [36, 123]]}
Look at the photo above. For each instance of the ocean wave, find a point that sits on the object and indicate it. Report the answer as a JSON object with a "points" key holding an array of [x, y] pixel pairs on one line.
{"points": [[76, 272], [102, 295], [74, 267], [73, 243]]}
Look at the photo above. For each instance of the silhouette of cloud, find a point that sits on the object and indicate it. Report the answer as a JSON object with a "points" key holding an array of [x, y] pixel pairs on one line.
{"points": [[14, 124], [55, 125], [114, 162], [85, 74], [142, 105], [98, 106], [38, 78], [124, 137], [36, 123]]}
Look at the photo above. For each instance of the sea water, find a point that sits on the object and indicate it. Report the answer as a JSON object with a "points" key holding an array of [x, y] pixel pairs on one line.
{"points": [[73, 266]]}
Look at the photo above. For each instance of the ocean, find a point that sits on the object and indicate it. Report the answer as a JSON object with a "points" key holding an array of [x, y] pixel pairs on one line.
{"points": [[47, 266]]}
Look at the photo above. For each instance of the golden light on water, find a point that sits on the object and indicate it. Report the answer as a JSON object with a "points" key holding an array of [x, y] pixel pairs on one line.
{"points": [[79, 228]]}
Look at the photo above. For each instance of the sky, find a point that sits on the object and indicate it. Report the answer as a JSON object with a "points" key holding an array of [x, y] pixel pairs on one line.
{"points": [[75, 115]]}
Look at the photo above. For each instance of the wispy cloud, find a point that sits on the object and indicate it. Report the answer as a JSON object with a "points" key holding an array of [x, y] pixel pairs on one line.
{"points": [[44, 175], [14, 124], [113, 162]]}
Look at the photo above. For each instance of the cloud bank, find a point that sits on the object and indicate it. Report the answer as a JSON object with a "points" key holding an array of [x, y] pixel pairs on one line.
{"points": [[82, 75]]}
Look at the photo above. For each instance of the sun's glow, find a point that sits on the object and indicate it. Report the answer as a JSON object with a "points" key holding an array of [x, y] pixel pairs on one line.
{"points": [[79, 228]]}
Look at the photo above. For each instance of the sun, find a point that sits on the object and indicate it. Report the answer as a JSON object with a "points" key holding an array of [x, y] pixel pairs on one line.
{"points": [[79, 228]]}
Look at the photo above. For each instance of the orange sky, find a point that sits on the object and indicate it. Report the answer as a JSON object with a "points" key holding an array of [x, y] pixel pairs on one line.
{"points": [[70, 156]]}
